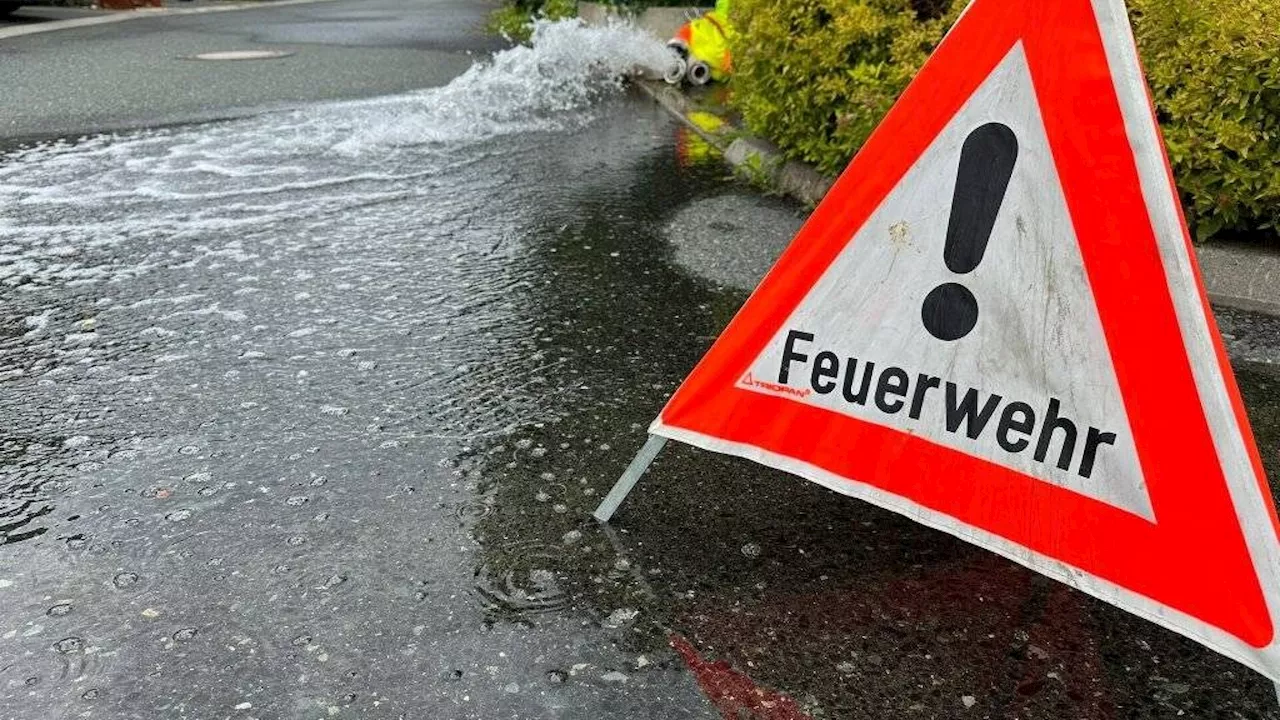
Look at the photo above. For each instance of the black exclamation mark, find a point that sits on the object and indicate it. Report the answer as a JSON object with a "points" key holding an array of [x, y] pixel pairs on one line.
{"points": [[986, 164]]}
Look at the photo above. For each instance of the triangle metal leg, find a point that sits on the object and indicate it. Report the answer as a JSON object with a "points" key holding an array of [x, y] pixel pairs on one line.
{"points": [[629, 478]]}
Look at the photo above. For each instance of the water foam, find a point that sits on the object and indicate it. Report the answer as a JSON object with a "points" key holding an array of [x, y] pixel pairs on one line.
{"points": [[543, 86], [548, 85], [175, 184]]}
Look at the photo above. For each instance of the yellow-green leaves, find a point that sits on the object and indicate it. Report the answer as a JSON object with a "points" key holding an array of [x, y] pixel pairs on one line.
{"points": [[817, 76], [1214, 69]]}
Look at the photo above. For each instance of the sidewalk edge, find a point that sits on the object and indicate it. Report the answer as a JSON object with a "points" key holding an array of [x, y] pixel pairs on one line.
{"points": [[1244, 277]]}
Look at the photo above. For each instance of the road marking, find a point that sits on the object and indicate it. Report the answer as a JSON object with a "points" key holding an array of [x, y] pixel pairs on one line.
{"points": [[236, 55]]}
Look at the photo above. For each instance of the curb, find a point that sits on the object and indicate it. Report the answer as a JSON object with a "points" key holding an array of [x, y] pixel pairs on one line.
{"points": [[1241, 275], [116, 16], [758, 159], [1236, 275]]}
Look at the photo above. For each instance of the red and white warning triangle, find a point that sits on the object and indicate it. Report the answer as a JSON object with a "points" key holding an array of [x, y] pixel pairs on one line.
{"points": [[994, 325]]}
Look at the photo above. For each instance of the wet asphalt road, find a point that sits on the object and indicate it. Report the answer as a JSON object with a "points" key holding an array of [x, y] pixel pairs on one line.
{"points": [[306, 412], [139, 72]]}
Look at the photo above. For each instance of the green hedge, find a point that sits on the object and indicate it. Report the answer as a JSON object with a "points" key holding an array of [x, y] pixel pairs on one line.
{"points": [[816, 77], [1214, 69], [514, 19]]}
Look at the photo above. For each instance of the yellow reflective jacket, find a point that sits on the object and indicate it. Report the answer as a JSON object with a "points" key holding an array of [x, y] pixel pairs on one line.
{"points": [[708, 39]]}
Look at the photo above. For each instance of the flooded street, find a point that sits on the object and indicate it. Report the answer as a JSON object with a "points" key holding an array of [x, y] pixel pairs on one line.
{"points": [[305, 415]]}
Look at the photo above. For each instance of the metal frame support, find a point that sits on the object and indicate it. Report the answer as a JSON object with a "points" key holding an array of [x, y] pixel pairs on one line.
{"points": [[1278, 692], [630, 477]]}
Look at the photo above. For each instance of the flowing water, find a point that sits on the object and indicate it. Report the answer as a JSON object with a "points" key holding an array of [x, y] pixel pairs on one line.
{"points": [[304, 415], [129, 224], [246, 371]]}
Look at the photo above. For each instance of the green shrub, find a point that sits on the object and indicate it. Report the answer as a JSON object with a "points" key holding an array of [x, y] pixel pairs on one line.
{"points": [[817, 76], [514, 20], [1214, 69], [510, 22]]}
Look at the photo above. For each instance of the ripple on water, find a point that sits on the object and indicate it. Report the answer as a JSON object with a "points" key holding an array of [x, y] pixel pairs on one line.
{"points": [[520, 580], [26, 489], [125, 580], [466, 511], [69, 645]]}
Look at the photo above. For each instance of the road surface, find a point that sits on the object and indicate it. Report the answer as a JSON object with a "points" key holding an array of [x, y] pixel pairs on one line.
{"points": [[127, 74], [306, 412]]}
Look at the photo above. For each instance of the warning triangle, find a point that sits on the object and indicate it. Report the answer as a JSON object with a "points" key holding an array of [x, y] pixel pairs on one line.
{"points": [[994, 325]]}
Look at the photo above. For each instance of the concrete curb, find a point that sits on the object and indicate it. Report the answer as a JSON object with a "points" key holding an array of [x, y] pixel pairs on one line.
{"points": [[115, 16], [755, 158], [1241, 275], [1237, 275]]}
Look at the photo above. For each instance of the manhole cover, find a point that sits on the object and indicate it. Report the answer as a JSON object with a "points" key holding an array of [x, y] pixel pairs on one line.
{"points": [[242, 55]]}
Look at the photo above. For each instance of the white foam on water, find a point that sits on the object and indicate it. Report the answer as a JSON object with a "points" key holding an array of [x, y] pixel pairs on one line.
{"points": [[550, 85], [300, 169], [544, 86]]}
